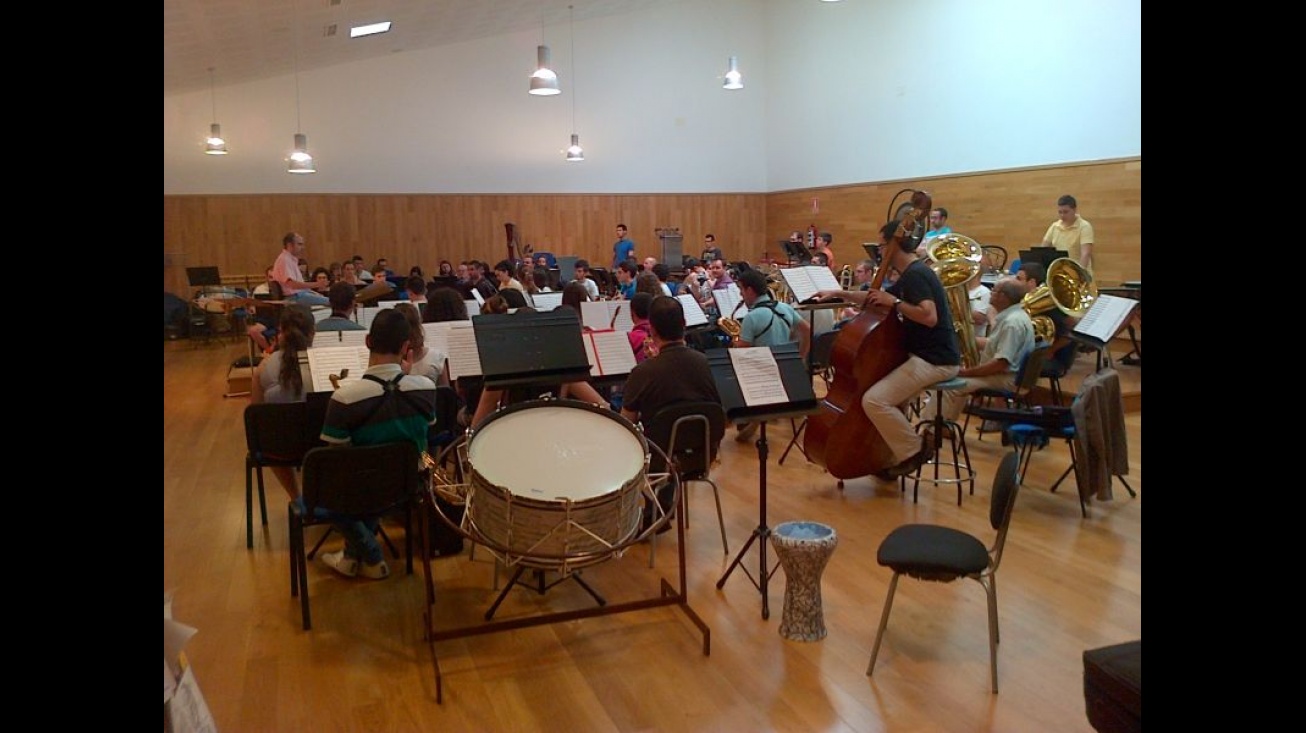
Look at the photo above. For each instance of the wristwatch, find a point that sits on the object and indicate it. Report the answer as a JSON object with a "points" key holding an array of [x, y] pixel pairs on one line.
{"points": [[897, 302]]}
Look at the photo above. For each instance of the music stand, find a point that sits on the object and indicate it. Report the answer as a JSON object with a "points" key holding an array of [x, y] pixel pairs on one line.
{"points": [[203, 277], [801, 402], [1043, 255], [796, 252], [531, 348]]}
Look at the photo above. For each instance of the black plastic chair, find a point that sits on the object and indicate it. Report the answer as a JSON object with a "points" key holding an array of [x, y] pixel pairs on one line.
{"points": [[943, 554], [359, 481], [690, 433], [275, 435]]}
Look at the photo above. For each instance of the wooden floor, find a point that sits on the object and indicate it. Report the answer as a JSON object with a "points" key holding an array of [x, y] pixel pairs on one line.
{"points": [[1066, 584]]}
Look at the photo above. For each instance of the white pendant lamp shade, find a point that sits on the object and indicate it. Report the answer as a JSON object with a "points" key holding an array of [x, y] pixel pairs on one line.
{"points": [[544, 82], [300, 160], [575, 153], [734, 80], [215, 145]]}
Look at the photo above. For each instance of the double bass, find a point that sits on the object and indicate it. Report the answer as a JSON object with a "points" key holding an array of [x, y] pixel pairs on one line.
{"points": [[840, 437]]}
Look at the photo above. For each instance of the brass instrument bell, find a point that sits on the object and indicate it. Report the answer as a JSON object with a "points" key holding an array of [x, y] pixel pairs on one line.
{"points": [[955, 258], [1068, 287]]}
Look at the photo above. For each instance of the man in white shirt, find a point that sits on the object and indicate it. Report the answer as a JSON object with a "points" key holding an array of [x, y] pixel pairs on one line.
{"points": [[582, 275]]}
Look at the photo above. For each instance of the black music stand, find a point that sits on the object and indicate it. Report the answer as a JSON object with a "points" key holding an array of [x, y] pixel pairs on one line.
{"points": [[797, 252], [801, 402], [531, 348]]}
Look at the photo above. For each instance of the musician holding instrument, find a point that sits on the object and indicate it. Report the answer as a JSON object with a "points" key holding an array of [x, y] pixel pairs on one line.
{"points": [[918, 298], [1001, 354], [768, 323]]}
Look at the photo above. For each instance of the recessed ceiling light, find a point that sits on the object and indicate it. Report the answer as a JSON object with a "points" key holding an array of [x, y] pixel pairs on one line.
{"points": [[367, 30]]}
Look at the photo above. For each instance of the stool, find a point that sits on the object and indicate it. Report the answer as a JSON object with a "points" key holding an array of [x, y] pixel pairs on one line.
{"points": [[960, 463], [803, 549]]}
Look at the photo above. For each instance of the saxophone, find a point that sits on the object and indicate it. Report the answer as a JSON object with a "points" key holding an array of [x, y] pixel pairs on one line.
{"points": [[729, 324]]}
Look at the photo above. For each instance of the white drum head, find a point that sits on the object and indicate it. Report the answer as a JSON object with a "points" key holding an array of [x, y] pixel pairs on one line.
{"points": [[553, 452]]}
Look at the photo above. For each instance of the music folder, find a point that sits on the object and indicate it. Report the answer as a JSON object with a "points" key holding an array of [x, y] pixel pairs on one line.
{"points": [[799, 399], [531, 348]]}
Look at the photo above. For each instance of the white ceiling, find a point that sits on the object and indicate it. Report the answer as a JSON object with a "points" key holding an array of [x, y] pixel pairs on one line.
{"points": [[245, 40]]}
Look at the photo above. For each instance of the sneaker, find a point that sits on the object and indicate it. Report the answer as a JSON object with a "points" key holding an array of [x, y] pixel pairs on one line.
{"points": [[746, 432], [346, 566], [374, 571]]}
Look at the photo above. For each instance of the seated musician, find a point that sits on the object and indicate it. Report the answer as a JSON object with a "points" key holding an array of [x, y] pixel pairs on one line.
{"points": [[626, 273], [931, 345], [768, 323], [279, 379], [1062, 356], [385, 405], [862, 276], [1001, 354], [341, 296]]}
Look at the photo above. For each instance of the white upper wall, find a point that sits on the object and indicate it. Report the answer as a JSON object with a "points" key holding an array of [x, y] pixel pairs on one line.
{"points": [[863, 90]]}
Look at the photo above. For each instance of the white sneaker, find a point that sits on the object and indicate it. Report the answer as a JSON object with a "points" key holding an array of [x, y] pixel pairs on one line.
{"points": [[346, 566], [378, 571]]}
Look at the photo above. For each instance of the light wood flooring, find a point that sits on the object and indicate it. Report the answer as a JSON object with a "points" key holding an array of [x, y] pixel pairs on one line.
{"points": [[1066, 584]]}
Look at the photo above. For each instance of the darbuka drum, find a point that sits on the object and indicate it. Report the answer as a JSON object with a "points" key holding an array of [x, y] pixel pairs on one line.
{"points": [[555, 484]]}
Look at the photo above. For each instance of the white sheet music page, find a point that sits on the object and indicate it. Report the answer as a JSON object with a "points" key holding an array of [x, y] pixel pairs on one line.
{"points": [[595, 314], [1106, 317], [609, 352], [806, 281], [694, 315], [323, 361], [366, 314], [437, 335], [464, 355], [759, 376], [480, 300], [473, 308], [727, 299], [350, 338], [619, 315], [546, 301]]}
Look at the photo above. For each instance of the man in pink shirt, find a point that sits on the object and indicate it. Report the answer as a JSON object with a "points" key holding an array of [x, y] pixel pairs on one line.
{"points": [[286, 272]]}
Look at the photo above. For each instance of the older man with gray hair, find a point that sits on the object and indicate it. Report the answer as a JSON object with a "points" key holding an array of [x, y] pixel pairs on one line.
{"points": [[1001, 353]]}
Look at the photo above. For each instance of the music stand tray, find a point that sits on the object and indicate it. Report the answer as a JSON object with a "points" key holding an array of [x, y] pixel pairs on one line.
{"points": [[802, 401]]}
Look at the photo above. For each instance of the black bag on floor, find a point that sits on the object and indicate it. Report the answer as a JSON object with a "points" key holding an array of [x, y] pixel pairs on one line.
{"points": [[446, 541]]}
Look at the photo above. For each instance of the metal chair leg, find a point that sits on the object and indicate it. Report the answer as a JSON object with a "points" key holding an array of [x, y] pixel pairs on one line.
{"points": [[884, 621]]}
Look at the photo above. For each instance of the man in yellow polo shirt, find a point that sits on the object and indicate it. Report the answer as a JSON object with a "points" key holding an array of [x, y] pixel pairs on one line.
{"points": [[1071, 232]]}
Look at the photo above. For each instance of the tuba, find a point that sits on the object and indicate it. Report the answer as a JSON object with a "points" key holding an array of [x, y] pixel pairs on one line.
{"points": [[1068, 287], [775, 282], [728, 323], [955, 258]]}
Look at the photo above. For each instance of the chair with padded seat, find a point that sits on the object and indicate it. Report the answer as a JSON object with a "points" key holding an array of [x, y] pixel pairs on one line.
{"points": [[354, 481], [944, 554], [690, 433], [1027, 376]]}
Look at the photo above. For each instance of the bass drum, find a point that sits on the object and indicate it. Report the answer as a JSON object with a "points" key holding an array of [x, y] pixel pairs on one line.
{"points": [[555, 484]]}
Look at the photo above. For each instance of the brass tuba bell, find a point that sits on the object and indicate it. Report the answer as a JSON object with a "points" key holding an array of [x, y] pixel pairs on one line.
{"points": [[1068, 287], [846, 277], [955, 258]]}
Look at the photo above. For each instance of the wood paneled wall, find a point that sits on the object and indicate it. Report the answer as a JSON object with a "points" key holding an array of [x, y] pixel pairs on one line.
{"points": [[241, 234], [1009, 208]]}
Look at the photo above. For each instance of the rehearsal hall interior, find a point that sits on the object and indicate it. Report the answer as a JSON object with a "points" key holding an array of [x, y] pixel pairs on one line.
{"points": [[652, 365]]}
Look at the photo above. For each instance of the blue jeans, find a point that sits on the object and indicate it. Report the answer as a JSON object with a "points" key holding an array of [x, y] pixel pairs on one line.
{"points": [[308, 297], [359, 532]]}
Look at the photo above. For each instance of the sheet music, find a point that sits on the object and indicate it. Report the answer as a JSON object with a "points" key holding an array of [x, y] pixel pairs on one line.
{"points": [[473, 306], [598, 315], [321, 314], [364, 315], [727, 299], [546, 301], [608, 352], [328, 338], [437, 335], [1106, 317], [464, 355], [328, 360], [806, 281], [390, 303], [694, 315], [476, 296], [351, 338], [759, 376]]}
